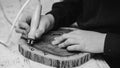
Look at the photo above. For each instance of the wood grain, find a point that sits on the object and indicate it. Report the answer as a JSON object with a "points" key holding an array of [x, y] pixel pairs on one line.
{"points": [[51, 55]]}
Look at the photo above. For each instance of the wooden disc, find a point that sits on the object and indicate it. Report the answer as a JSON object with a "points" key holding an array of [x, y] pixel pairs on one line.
{"points": [[44, 52]]}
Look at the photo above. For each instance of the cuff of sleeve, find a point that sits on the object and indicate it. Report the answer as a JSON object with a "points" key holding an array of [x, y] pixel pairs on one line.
{"points": [[112, 45]]}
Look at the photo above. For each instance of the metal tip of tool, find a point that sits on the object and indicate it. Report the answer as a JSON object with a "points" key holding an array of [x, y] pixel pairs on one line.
{"points": [[30, 41]]}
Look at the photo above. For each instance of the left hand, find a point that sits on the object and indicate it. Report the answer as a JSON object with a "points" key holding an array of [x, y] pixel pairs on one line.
{"points": [[82, 40]]}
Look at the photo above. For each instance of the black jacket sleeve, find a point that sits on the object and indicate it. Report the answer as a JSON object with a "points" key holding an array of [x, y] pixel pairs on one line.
{"points": [[112, 45], [112, 50], [66, 12]]}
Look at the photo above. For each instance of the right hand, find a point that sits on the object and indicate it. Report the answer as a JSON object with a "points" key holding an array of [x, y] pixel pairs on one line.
{"points": [[46, 23]]}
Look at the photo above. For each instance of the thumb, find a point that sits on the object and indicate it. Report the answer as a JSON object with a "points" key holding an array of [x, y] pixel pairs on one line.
{"points": [[39, 32]]}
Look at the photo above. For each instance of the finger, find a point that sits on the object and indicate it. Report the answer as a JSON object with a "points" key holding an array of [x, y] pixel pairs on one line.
{"points": [[60, 39], [23, 25], [41, 29], [57, 40], [39, 32], [75, 48], [18, 30], [25, 17], [28, 20], [67, 42], [43, 26], [27, 30], [71, 28]]}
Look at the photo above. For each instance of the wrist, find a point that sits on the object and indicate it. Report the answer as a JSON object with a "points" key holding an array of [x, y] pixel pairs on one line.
{"points": [[49, 19]]}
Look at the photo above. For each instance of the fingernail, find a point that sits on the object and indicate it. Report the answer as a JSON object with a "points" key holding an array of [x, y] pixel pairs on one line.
{"points": [[55, 38], [60, 46], [69, 48], [54, 42]]}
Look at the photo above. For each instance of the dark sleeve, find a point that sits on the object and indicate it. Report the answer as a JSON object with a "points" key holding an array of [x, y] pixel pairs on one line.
{"points": [[66, 12], [112, 50], [112, 45]]}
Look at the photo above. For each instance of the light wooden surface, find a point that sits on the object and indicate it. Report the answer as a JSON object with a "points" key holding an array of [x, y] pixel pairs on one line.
{"points": [[10, 57]]}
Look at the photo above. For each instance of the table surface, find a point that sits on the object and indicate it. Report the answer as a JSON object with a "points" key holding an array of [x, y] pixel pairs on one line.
{"points": [[10, 57]]}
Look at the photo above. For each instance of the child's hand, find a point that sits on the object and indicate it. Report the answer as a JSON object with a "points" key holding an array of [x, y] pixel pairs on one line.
{"points": [[81, 40]]}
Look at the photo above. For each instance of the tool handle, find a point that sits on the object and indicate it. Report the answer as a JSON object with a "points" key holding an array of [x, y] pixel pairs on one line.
{"points": [[35, 22]]}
